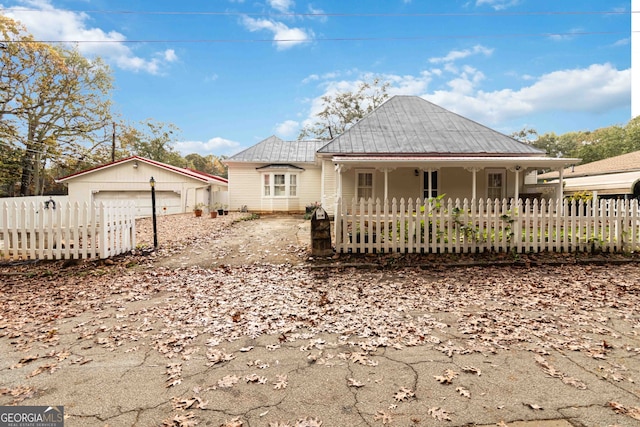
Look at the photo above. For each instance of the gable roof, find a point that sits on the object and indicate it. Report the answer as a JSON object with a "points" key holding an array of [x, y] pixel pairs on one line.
{"points": [[276, 150], [623, 163], [201, 176], [411, 125]]}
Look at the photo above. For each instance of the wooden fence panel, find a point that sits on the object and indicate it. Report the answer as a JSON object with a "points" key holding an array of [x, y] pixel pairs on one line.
{"points": [[439, 226], [30, 230]]}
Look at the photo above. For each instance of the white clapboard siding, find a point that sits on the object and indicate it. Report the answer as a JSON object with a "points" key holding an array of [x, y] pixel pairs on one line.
{"points": [[455, 226], [68, 231]]}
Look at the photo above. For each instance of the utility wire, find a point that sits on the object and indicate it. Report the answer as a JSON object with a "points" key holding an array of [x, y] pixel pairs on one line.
{"points": [[330, 39], [320, 14]]}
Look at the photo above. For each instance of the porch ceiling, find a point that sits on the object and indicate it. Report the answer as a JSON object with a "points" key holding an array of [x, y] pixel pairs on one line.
{"points": [[457, 161]]}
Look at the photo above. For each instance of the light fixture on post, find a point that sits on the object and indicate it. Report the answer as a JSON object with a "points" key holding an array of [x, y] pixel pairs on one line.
{"points": [[152, 183]]}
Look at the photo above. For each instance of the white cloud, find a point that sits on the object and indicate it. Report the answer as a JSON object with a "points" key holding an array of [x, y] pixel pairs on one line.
{"points": [[283, 6], [623, 42], [288, 129], [170, 55], [498, 4], [594, 89], [454, 55], [400, 85], [283, 36], [53, 24], [320, 12], [569, 35], [218, 146]]}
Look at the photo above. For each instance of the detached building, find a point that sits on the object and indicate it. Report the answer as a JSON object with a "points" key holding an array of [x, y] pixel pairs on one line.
{"points": [[616, 177]]}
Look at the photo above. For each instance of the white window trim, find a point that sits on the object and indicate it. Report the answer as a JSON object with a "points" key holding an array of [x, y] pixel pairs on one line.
{"points": [[502, 172], [287, 182], [437, 188], [373, 182]]}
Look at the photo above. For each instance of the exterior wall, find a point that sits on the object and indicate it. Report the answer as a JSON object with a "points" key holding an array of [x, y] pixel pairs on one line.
{"points": [[329, 188], [455, 183], [125, 178], [246, 186]]}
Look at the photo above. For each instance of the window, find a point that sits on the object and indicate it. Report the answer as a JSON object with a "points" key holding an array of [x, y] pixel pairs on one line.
{"points": [[267, 185], [293, 187], [280, 184], [364, 187], [495, 185], [430, 181]]}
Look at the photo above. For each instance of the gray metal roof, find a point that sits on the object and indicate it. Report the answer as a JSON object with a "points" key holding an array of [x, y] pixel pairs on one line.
{"points": [[276, 150], [412, 125]]}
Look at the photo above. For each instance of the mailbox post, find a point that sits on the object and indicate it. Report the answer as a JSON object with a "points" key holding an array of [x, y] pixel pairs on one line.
{"points": [[321, 233]]}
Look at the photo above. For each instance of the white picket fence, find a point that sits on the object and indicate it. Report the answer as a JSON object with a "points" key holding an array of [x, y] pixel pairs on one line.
{"points": [[30, 230], [454, 226]]}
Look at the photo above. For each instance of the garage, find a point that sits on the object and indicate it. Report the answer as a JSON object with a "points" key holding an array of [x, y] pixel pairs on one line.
{"points": [[167, 202], [178, 190]]}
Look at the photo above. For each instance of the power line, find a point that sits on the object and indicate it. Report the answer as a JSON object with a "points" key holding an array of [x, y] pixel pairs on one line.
{"points": [[320, 14], [330, 39]]}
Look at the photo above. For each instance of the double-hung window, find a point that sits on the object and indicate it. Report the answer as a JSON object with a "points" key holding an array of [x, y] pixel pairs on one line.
{"points": [[278, 183], [364, 185]]}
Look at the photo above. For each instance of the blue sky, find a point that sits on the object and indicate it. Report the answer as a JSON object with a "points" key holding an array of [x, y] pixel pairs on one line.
{"points": [[230, 73]]}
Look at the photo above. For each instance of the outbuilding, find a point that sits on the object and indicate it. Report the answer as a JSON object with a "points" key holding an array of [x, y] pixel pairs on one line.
{"points": [[178, 190], [616, 177]]}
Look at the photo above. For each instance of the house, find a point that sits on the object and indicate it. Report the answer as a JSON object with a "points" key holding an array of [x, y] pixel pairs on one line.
{"points": [[616, 177], [275, 175], [177, 190], [406, 148]]}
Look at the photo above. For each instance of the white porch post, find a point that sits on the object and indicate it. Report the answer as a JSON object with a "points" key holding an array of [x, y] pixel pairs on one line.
{"points": [[561, 184], [386, 183], [339, 169], [516, 192], [474, 182]]}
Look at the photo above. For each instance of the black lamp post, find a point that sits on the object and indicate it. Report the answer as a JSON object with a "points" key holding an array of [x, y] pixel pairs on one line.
{"points": [[152, 182]]}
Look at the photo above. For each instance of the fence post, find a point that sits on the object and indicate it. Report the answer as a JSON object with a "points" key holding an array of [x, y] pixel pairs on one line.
{"points": [[103, 231]]}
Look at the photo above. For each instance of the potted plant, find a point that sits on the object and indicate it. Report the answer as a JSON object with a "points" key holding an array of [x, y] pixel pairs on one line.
{"points": [[218, 208], [197, 209], [225, 210], [213, 211]]}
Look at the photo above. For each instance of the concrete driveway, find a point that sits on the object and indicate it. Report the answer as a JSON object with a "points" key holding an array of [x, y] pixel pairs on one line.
{"points": [[248, 341]]}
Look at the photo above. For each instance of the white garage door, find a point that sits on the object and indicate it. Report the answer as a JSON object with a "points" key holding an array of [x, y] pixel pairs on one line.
{"points": [[167, 202]]}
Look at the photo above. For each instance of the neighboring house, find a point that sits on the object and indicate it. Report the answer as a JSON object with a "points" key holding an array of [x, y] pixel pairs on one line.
{"points": [[406, 148], [615, 177], [177, 190]]}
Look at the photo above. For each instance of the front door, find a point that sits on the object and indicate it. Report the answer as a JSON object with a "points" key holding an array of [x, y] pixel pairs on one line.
{"points": [[429, 184]]}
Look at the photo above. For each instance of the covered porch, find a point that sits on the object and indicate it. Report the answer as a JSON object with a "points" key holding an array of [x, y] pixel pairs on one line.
{"points": [[456, 177]]}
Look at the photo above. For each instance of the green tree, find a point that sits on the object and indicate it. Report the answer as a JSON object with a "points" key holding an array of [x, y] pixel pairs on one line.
{"points": [[343, 109], [153, 140], [54, 103], [210, 164]]}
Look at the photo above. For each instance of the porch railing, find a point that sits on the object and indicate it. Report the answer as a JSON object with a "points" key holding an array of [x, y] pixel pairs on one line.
{"points": [[455, 226], [67, 231]]}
